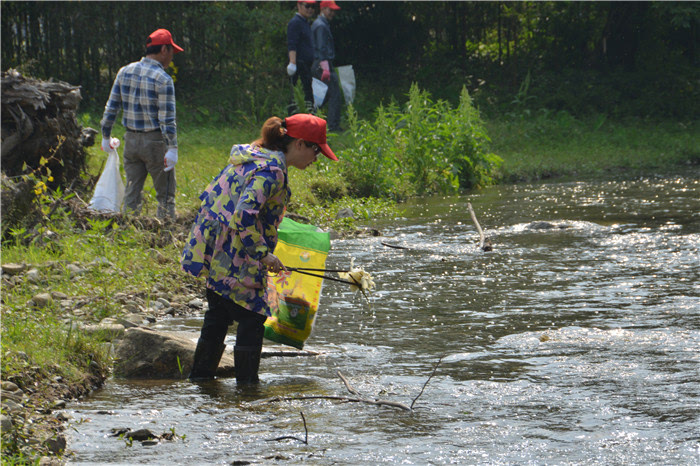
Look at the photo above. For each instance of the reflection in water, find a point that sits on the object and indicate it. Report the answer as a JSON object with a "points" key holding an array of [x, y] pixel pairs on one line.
{"points": [[562, 345]]}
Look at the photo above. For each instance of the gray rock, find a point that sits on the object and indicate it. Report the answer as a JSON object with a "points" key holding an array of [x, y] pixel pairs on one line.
{"points": [[130, 320], [164, 302], [100, 261], [11, 406], [33, 276], [140, 434], [8, 386], [58, 404], [148, 354], [75, 270], [5, 423], [42, 299], [50, 461], [345, 213], [13, 269], [56, 445], [59, 295], [196, 303]]}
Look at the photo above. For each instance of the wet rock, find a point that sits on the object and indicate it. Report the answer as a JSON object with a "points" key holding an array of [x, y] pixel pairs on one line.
{"points": [[13, 269], [149, 443], [139, 435], [150, 354], [42, 299], [542, 225], [56, 445]]}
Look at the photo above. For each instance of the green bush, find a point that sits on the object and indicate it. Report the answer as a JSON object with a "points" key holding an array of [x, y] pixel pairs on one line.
{"points": [[428, 147]]}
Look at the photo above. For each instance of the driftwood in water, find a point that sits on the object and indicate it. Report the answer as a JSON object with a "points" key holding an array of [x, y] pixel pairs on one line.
{"points": [[356, 399], [484, 243]]}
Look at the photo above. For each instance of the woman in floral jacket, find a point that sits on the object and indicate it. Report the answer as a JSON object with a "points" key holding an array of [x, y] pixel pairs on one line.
{"points": [[235, 233]]}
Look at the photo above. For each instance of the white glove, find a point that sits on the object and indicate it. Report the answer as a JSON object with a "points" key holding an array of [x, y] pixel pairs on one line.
{"points": [[170, 159], [109, 144], [291, 69]]}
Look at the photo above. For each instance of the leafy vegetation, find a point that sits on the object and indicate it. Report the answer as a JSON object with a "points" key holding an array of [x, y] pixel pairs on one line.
{"points": [[428, 147]]}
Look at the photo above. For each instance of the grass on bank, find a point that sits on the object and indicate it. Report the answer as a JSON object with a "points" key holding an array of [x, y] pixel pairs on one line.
{"points": [[548, 145]]}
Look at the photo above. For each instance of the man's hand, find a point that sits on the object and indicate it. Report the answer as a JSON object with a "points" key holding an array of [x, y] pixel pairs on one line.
{"points": [[273, 263], [109, 144], [326, 75], [170, 159], [291, 69]]}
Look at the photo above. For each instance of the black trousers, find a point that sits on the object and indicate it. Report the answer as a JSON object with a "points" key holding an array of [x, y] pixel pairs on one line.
{"points": [[222, 312]]}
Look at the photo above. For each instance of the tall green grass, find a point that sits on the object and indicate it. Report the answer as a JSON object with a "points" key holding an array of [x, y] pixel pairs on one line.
{"points": [[546, 145]]}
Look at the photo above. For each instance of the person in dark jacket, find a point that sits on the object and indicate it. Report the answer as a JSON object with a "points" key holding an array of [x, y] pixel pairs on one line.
{"points": [[300, 48], [324, 56]]}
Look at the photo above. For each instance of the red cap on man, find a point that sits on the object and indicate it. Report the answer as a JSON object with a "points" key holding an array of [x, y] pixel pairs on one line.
{"points": [[330, 4], [163, 37]]}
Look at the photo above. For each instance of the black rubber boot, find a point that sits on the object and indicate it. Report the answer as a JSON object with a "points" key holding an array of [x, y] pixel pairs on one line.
{"points": [[247, 362], [206, 360]]}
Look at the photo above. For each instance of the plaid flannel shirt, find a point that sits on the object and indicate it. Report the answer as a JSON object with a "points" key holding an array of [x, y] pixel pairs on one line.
{"points": [[146, 94]]}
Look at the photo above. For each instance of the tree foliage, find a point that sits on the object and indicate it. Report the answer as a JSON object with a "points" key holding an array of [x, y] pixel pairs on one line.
{"points": [[609, 57]]}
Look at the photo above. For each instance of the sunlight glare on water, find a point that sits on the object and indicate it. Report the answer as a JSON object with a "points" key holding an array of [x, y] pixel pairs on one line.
{"points": [[575, 341]]}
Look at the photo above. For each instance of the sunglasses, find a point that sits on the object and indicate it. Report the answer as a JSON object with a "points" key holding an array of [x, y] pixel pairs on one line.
{"points": [[307, 5], [314, 146]]}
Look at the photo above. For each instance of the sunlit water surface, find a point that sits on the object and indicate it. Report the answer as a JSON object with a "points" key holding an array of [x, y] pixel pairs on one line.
{"points": [[569, 345]]}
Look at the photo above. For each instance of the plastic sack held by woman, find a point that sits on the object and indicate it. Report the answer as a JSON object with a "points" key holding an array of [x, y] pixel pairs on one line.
{"points": [[234, 236]]}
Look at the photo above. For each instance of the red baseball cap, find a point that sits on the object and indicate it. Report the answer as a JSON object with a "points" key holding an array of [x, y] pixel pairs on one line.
{"points": [[163, 37], [330, 4], [310, 128], [306, 1]]}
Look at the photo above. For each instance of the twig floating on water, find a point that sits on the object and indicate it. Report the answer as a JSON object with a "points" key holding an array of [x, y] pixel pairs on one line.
{"points": [[426, 382], [484, 243], [347, 384], [393, 246], [275, 399], [291, 437]]}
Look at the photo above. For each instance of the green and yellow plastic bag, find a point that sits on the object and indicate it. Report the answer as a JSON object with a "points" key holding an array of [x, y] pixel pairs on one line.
{"points": [[294, 298]]}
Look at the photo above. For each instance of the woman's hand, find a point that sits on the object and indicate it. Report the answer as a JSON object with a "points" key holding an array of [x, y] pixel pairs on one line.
{"points": [[272, 263]]}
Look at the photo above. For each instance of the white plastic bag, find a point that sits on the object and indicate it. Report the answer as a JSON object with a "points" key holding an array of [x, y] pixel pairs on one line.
{"points": [[347, 82], [109, 190], [320, 89]]}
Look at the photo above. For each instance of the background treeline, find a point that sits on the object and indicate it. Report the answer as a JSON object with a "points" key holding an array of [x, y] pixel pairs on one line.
{"points": [[615, 58]]}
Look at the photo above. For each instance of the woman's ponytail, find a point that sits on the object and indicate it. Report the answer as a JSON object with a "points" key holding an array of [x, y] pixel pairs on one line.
{"points": [[273, 135]]}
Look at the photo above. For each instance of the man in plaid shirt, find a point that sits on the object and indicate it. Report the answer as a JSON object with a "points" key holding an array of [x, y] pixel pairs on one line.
{"points": [[146, 94]]}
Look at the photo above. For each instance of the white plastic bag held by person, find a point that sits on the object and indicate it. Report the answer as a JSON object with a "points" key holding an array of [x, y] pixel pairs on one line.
{"points": [[109, 190], [346, 75]]}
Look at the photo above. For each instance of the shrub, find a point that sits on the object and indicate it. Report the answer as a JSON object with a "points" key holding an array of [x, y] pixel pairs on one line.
{"points": [[428, 147]]}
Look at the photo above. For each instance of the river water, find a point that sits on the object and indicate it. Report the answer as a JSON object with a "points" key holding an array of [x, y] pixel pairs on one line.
{"points": [[577, 344]]}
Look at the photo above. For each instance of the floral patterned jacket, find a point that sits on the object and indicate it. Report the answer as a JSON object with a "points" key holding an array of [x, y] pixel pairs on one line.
{"points": [[237, 226]]}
